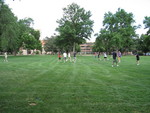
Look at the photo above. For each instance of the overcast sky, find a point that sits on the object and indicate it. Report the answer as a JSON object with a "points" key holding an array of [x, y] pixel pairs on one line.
{"points": [[46, 12]]}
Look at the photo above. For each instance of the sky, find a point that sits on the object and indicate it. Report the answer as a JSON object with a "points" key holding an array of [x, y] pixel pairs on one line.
{"points": [[45, 13]]}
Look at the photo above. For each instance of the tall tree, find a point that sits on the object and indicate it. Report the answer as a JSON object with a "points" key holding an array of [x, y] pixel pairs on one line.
{"points": [[142, 44], [103, 41], [13, 32], [35, 33], [28, 41], [146, 22], [74, 27], [27, 35], [8, 30], [24, 28], [144, 41], [118, 30]]}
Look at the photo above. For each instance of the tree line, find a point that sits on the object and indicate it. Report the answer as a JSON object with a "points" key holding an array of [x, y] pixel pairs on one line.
{"points": [[74, 28], [118, 32], [15, 33]]}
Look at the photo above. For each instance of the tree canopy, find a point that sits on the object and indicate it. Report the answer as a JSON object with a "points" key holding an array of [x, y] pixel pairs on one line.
{"points": [[8, 29], [51, 44], [15, 33], [74, 27], [118, 31], [144, 40]]}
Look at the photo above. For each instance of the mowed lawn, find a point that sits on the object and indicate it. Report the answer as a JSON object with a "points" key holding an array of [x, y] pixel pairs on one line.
{"points": [[41, 84]]}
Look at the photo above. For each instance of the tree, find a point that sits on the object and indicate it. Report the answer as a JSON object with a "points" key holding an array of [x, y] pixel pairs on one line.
{"points": [[13, 32], [24, 28], [74, 27], [146, 22], [103, 41], [29, 41], [8, 30], [144, 41], [35, 33], [50, 44], [118, 31], [26, 31], [142, 44]]}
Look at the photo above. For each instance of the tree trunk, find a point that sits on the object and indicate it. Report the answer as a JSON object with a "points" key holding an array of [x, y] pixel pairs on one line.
{"points": [[14, 53], [74, 47]]}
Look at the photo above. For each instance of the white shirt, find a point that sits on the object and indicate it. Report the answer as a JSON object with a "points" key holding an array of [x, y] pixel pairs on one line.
{"points": [[105, 55], [65, 54], [68, 54], [5, 55]]}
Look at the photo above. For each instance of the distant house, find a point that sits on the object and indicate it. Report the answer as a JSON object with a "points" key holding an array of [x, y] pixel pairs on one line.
{"points": [[86, 48]]}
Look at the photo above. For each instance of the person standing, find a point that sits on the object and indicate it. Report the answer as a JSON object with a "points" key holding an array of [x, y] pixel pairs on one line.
{"points": [[95, 54], [59, 56], [5, 57], [137, 59], [69, 57], [99, 56], [114, 55], [105, 56], [65, 56], [74, 55], [119, 56]]}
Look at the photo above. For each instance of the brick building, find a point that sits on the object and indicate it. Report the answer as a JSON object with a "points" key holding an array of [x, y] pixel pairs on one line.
{"points": [[86, 48]]}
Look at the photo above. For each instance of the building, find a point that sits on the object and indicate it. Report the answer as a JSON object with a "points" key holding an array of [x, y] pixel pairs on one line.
{"points": [[86, 48]]}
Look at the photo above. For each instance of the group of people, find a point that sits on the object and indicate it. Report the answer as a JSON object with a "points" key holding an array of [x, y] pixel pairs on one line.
{"points": [[105, 56], [116, 55], [67, 57], [98, 55]]}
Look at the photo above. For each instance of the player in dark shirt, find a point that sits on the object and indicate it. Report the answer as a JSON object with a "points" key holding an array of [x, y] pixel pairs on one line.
{"points": [[114, 54], [137, 59], [74, 55]]}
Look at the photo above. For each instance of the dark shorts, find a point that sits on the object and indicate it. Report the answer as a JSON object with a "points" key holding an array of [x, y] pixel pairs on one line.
{"points": [[115, 60]]}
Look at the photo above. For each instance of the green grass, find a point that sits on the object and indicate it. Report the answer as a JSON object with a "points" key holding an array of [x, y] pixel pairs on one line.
{"points": [[41, 84]]}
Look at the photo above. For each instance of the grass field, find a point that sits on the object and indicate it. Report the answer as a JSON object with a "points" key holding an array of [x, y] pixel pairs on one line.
{"points": [[41, 84]]}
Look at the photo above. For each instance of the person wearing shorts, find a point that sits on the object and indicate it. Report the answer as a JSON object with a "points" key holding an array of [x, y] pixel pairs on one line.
{"points": [[105, 56], [99, 56], [137, 59], [114, 55], [5, 57], [65, 56], [69, 57], [59, 56], [119, 56], [74, 55]]}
